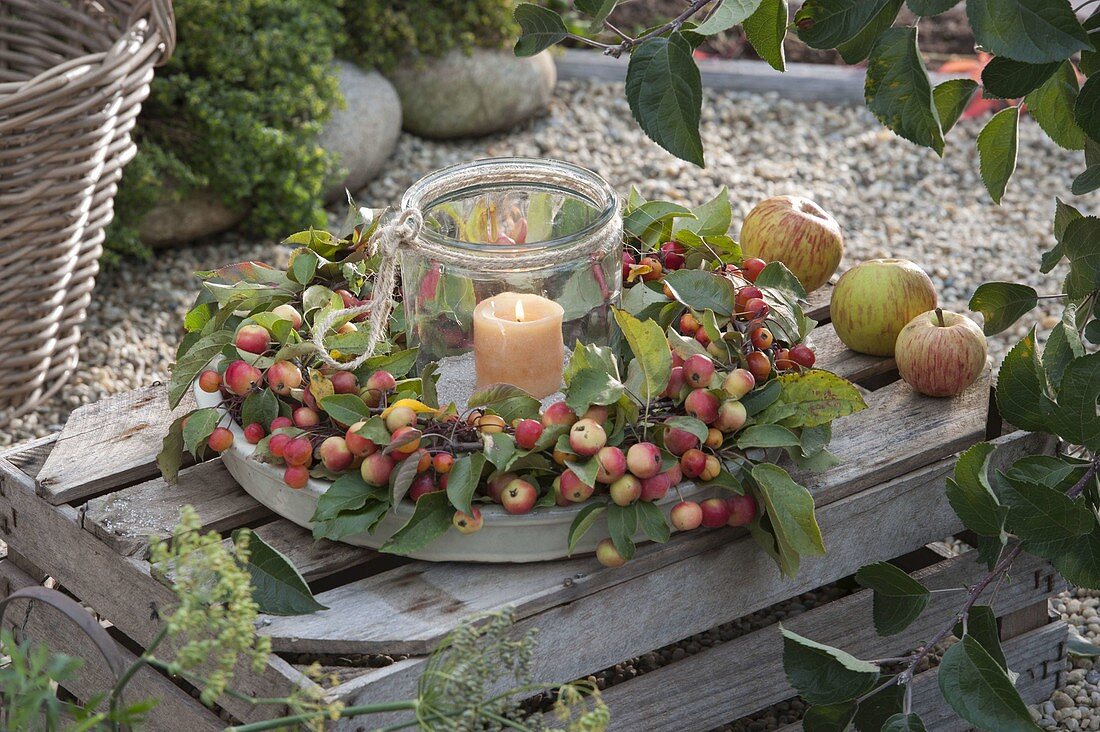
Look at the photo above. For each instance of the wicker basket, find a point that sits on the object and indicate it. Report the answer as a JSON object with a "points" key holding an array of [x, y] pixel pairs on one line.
{"points": [[73, 75]]}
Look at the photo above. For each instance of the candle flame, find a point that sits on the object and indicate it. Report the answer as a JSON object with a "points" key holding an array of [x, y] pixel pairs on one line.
{"points": [[519, 311]]}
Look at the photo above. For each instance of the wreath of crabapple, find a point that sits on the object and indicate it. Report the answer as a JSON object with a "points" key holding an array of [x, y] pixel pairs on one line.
{"points": [[711, 376]]}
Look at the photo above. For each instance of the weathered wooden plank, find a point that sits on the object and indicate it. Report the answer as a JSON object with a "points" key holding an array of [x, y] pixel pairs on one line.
{"points": [[126, 519], [108, 444], [316, 559], [741, 676], [899, 431], [175, 709], [1025, 619], [120, 588], [832, 355], [631, 615], [1038, 656], [29, 456]]}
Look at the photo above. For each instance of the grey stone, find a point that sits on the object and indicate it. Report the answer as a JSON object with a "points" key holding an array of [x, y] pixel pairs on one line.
{"points": [[363, 133], [465, 95], [195, 215]]}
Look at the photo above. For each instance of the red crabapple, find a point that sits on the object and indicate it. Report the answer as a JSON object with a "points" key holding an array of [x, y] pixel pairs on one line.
{"points": [[304, 417], [573, 488], [608, 555], [558, 413], [643, 459], [254, 432], [702, 405], [378, 384], [715, 513], [759, 365], [407, 441], [655, 268], [286, 311], [628, 262], [422, 485], [280, 422], [528, 432], [745, 294], [693, 463], [731, 416], [738, 383], [497, 484], [299, 451], [752, 267], [742, 510], [252, 338], [698, 371], [468, 523], [756, 309], [376, 469], [713, 468], [335, 455], [344, 382], [803, 355], [296, 476], [715, 438], [519, 496], [655, 488], [282, 377], [358, 445], [761, 338], [586, 437], [783, 360], [625, 490], [242, 377], [400, 417], [686, 515], [210, 381], [220, 440], [443, 462], [277, 443], [612, 464], [702, 338], [597, 413], [673, 254], [678, 441], [676, 383], [689, 324]]}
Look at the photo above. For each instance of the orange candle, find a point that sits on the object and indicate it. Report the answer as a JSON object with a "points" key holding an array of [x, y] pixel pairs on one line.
{"points": [[518, 341]]}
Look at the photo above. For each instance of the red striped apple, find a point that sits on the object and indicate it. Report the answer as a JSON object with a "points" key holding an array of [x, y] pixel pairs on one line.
{"points": [[797, 232], [940, 353], [874, 300]]}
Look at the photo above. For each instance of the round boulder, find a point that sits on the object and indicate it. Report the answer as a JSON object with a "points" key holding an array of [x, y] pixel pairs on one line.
{"points": [[363, 133], [464, 95], [194, 215]]}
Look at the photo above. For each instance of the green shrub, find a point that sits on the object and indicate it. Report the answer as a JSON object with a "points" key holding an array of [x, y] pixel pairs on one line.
{"points": [[382, 34], [238, 108]]}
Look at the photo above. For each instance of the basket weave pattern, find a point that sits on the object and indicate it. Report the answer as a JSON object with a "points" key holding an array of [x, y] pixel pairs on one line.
{"points": [[73, 76]]}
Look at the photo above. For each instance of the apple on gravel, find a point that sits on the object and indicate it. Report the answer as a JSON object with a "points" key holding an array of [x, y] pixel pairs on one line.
{"points": [[940, 353]]}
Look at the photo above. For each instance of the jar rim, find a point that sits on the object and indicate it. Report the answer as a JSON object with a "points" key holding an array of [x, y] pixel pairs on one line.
{"points": [[545, 172]]}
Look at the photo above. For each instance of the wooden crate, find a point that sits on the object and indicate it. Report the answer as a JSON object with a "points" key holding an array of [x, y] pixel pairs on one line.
{"points": [[80, 507]]}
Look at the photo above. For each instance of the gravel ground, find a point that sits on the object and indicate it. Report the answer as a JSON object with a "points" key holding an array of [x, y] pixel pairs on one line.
{"points": [[891, 198]]}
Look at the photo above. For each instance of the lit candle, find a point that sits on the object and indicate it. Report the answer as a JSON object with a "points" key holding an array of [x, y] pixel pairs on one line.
{"points": [[518, 341]]}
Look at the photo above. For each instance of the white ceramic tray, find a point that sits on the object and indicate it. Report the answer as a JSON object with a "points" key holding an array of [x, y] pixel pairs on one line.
{"points": [[537, 536]]}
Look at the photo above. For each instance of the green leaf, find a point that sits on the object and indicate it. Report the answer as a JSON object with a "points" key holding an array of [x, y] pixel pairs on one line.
{"points": [[979, 690], [822, 674], [349, 492], [591, 356], [199, 426], [830, 23], [712, 218], [303, 265], [1034, 31], [898, 91], [1005, 78], [970, 494], [586, 470], [375, 430], [981, 623], [188, 367], [583, 521], [1086, 110], [652, 222], [926, 8], [814, 439], [1063, 215], [431, 518], [817, 397], [510, 402], [277, 587], [362, 520], [401, 479], [875, 710], [592, 386], [791, 510], [702, 290], [652, 521], [1063, 345], [951, 98], [540, 28], [345, 408], [762, 397], [1021, 389], [665, 94], [499, 449], [1075, 419], [690, 425], [767, 435], [622, 523], [1077, 559], [765, 29], [1051, 105], [898, 599], [1081, 243], [997, 146], [727, 15], [170, 457], [464, 478], [650, 348], [857, 49], [904, 723], [1092, 331], [598, 9], [1086, 182], [831, 718], [1002, 304], [777, 276]]}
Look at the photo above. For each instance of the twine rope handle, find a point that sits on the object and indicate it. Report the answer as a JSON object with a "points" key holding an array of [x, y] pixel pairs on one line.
{"points": [[387, 240]]}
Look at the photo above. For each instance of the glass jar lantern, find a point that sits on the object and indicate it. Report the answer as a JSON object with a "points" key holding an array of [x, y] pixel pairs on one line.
{"points": [[501, 235]]}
